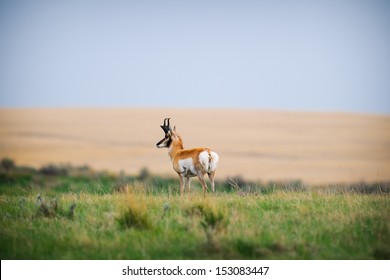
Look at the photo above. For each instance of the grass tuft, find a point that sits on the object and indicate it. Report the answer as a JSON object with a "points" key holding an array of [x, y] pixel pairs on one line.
{"points": [[135, 215]]}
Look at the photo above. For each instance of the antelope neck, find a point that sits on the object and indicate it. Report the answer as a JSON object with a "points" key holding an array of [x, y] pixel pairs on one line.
{"points": [[176, 147]]}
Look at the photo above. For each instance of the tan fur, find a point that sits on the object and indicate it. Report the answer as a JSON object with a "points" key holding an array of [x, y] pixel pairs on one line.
{"points": [[185, 154]]}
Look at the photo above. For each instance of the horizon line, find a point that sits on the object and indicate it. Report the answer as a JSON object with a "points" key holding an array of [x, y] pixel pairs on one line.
{"points": [[238, 108]]}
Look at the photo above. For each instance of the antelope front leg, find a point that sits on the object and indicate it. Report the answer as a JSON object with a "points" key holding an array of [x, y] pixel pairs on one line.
{"points": [[188, 182], [181, 184]]}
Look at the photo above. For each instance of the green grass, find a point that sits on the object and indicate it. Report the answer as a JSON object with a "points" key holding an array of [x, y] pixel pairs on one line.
{"points": [[281, 225], [126, 218]]}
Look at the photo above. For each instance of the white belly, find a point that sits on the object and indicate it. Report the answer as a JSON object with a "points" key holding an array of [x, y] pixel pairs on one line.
{"points": [[186, 167]]}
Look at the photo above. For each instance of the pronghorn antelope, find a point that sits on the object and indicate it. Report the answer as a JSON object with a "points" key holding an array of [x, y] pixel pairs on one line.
{"points": [[188, 163]]}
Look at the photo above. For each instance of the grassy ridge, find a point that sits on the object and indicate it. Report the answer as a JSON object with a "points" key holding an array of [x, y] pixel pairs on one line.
{"points": [[145, 218]]}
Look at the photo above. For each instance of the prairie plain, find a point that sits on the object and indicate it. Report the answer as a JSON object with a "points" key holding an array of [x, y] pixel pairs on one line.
{"points": [[313, 147], [290, 185]]}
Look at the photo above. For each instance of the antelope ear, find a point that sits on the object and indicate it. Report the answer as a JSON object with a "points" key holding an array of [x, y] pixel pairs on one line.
{"points": [[174, 128]]}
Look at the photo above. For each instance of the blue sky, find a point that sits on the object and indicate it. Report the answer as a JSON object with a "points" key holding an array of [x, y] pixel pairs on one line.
{"points": [[295, 55]]}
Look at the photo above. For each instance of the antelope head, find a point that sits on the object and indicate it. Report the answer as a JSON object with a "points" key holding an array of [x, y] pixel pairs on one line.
{"points": [[166, 141]]}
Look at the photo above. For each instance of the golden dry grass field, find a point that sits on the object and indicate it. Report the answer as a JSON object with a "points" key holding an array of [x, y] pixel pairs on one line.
{"points": [[317, 148]]}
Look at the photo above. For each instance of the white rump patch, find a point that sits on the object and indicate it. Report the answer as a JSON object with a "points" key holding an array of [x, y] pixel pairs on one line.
{"points": [[204, 160], [209, 160], [214, 161]]}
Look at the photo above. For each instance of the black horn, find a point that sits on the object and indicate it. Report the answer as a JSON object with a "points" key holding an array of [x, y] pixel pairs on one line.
{"points": [[165, 126], [168, 125]]}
